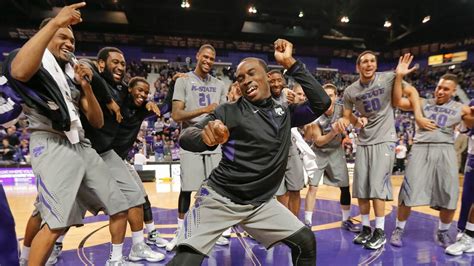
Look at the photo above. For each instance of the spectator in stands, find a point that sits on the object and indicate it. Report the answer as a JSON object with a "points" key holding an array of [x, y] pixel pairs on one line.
{"points": [[25, 150], [159, 124], [13, 137], [158, 148], [7, 151], [139, 158], [400, 155]]}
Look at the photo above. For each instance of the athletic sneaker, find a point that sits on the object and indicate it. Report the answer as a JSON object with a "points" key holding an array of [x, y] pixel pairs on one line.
{"points": [[309, 225], [464, 244], [120, 262], [23, 262], [459, 234], [443, 238], [350, 226], [222, 241], [154, 238], [141, 251], [170, 246], [377, 240], [363, 236], [53, 258], [396, 238], [227, 232]]}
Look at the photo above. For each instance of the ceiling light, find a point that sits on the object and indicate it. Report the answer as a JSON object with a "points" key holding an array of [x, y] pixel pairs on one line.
{"points": [[345, 19], [252, 10], [426, 19], [301, 14], [387, 24], [185, 4]]}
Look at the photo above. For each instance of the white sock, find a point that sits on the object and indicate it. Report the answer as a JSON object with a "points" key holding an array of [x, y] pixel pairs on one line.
{"points": [[469, 226], [308, 217], [180, 223], [365, 220], [346, 214], [137, 237], [25, 252], [400, 224], [116, 252], [60, 239], [149, 227], [443, 226], [380, 222]]}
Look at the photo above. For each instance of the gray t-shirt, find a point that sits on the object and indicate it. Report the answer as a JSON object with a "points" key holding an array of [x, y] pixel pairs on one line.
{"points": [[325, 123], [446, 116], [197, 93], [373, 101], [39, 122]]}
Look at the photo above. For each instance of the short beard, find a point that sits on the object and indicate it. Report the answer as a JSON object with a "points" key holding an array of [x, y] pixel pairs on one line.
{"points": [[108, 76]]}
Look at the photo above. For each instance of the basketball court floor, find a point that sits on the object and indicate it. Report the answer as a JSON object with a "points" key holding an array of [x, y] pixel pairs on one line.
{"points": [[88, 245]]}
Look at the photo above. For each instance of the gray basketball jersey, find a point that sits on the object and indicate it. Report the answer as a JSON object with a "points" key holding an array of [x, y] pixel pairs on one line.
{"points": [[198, 93], [281, 100], [373, 101], [325, 123], [446, 116], [38, 121]]}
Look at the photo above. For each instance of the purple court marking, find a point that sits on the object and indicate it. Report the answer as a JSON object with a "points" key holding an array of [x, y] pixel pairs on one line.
{"points": [[335, 246]]}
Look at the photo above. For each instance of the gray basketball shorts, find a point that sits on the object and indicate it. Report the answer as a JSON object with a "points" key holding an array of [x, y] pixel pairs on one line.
{"points": [[431, 177], [136, 177], [195, 167], [332, 164], [213, 213], [373, 170], [61, 170], [294, 176]]}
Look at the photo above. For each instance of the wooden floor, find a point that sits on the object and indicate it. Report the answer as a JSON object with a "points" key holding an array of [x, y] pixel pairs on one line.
{"points": [[162, 194]]}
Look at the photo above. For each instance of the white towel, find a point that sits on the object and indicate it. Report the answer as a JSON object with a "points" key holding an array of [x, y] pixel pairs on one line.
{"points": [[306, 154], [51, 65]]}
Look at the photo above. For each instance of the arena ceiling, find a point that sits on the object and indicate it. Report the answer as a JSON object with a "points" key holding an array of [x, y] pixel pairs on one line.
{"points": [[230, 19]]}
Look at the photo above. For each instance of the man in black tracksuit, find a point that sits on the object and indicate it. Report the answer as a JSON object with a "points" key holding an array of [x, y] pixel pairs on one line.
{"points": [[255, 137]]}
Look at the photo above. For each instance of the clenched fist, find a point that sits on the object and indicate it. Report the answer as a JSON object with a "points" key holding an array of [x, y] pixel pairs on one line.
{"points": [[214, 133]]}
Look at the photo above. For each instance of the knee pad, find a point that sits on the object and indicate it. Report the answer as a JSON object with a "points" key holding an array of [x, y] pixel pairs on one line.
{"points": [[147, 212], [303, 247], [186, 256], [184, 200], [345, 196]]}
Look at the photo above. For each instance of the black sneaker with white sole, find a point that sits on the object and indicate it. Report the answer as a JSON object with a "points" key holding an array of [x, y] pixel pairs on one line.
{"points": [[377, 240], [364, 235]]}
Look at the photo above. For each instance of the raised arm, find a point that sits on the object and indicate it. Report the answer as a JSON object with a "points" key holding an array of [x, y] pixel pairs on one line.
{"points": [[468, 116], [318, 101], [413, 101], [28, 60]]}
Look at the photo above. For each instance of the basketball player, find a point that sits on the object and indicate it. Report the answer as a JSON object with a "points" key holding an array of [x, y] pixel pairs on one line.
{"points": [[467, 197], [330, 158], [255, 134], [9, 252], [466, 242], [431, 176], [62, 159], [135, 109], [196, 94], [371, 95], [111, 64], [288, 193]]}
